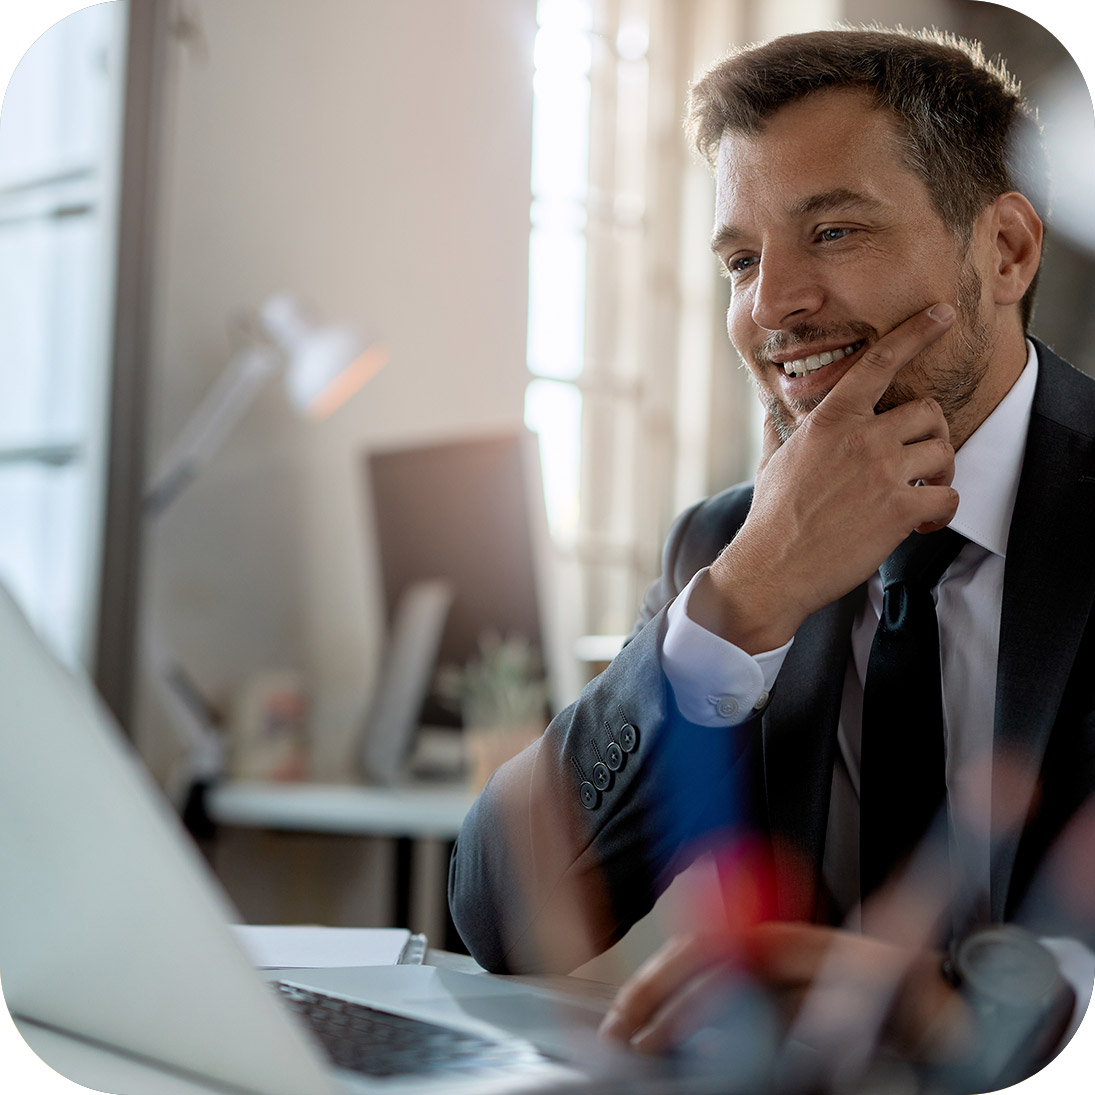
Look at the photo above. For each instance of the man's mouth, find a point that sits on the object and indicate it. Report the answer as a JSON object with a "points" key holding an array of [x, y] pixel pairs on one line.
{"points": [[811, 364]]}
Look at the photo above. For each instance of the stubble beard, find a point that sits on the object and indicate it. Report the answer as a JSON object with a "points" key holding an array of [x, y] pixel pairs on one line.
{"points": [[957, 372]]}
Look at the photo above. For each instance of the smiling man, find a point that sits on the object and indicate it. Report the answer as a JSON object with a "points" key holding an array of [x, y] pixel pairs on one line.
{"points": [[862, 682], [832, 237]]}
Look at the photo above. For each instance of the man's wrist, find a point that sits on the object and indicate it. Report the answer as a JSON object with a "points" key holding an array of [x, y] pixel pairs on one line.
{"points": [[715, 683], [740, 601]]}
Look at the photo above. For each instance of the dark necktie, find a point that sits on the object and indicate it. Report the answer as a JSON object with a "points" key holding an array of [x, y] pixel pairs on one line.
{"points": [[902, 773]]}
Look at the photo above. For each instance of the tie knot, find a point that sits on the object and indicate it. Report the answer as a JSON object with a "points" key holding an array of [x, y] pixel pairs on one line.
{"points": [[921, 559]]}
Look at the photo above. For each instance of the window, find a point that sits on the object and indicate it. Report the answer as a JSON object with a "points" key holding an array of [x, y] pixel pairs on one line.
{"points": [[557, 252], [58, 184], [640, 407], [585, 285]]}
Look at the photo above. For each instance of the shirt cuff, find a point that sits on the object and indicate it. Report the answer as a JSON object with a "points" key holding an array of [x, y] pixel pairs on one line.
{"points": [[714, 682]]}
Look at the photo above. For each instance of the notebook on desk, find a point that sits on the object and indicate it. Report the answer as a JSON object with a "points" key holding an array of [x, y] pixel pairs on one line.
{"points": [[113, 930]]}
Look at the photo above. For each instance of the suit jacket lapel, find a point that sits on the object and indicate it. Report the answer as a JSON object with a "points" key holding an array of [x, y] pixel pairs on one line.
{"points": [[799, 735], [1049, 588]]}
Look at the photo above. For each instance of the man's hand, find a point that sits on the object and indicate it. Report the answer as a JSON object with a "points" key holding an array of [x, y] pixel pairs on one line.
{"points": [[837, 990], [835, 499]]}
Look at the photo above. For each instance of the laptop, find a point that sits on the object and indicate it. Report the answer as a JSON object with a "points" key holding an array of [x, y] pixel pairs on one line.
{"points": [[114, 931]]}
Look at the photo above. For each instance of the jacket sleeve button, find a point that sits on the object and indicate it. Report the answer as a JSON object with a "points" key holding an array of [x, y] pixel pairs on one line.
{"points": [[629, 738], [589, 795], [614, 756], [602, 777]]}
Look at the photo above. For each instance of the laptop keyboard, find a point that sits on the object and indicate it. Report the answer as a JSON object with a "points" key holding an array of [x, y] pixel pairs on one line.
{"points": [[379, 1043]]}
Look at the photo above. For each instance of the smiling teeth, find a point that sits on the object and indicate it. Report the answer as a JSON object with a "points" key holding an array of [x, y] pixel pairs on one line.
{"points": [[816, 361]]}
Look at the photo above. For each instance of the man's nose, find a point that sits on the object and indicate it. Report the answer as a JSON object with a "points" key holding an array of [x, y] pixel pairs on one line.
{"points": [[786, 292]]}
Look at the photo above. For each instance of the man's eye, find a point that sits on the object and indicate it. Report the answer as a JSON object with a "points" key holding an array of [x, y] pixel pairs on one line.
{"points": [[742, 262], [831, 234]]}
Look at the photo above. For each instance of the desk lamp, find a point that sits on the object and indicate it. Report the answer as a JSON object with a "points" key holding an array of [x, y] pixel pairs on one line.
{"points": [[322, 366]]}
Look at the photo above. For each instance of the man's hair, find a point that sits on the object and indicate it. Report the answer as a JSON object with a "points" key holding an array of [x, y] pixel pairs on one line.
{"points": [[965, 128]]}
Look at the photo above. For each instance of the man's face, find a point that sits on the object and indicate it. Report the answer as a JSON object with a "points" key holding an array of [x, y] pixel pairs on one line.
{"points": [[830, 242]]}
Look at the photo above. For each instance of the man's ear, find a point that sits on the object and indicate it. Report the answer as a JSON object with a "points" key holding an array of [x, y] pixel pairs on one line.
{"points": [[1017, 246]]}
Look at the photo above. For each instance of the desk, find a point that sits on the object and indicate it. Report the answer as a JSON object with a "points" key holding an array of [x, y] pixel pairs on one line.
{"points": [[405, 812], [415, 810]]}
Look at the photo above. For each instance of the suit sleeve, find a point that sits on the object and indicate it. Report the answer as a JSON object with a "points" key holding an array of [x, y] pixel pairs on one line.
{"points": [[572, 841]]}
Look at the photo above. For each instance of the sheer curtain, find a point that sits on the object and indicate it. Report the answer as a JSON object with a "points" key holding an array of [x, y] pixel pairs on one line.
{"points": [[636, 395]]}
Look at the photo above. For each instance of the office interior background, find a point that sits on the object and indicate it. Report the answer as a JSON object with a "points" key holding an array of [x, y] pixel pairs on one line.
{"points": [[500, 194]]}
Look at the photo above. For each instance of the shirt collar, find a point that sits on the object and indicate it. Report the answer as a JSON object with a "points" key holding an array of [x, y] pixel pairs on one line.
{"points": [[987, 466]]}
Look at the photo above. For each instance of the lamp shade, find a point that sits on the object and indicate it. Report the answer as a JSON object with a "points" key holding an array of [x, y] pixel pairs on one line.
{"points": [[325, 365]]}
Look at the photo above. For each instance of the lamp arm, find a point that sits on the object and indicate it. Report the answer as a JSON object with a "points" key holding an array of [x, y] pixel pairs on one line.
{"points": [[224, 405], [198, 736]]}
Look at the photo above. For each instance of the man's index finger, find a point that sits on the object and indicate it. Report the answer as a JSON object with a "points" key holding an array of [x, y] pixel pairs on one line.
{"points": [[862, 386]]}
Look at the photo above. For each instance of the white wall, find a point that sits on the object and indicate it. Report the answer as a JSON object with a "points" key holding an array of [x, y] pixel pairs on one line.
{"points": [[372, 155]]}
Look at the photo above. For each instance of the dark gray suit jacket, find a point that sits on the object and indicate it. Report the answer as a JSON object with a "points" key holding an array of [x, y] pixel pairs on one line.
{"points": [[541, 880]]}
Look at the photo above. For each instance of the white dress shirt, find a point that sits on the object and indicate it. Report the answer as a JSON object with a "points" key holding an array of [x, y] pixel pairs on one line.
{"points": [[716, 684]]}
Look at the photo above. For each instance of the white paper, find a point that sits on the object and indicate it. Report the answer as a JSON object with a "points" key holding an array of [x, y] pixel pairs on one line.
{"points": [[297, 947]]}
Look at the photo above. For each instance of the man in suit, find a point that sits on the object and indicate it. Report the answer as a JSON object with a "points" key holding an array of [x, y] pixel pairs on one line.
{"points": [[875, 217]]}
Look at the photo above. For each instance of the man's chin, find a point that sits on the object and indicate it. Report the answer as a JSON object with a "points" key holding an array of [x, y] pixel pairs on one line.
{"points": [[787, 417]]}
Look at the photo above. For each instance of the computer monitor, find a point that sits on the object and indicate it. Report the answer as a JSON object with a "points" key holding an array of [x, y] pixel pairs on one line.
{"points": [[471, 512]]}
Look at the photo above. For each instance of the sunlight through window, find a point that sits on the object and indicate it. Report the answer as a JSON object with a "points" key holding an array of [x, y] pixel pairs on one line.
{"points": [[557, 250]]}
